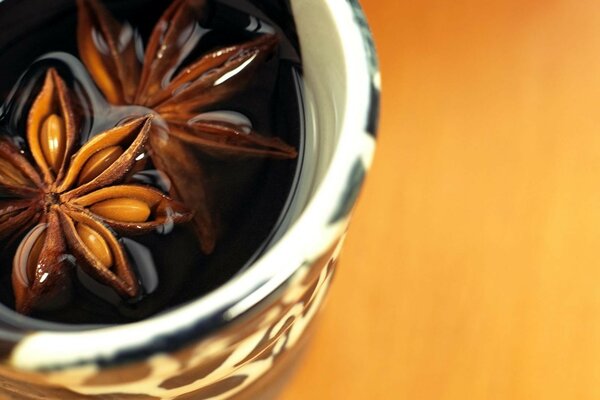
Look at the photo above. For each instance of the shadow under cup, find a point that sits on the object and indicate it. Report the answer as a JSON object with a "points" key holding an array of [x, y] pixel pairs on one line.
{"points": [[241, 339]]}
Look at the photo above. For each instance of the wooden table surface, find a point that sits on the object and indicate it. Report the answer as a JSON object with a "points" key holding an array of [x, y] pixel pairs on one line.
{"points": [[471, 267]]}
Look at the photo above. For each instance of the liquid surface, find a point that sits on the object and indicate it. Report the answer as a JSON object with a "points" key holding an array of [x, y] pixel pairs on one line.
{"points": [[249, 193]]}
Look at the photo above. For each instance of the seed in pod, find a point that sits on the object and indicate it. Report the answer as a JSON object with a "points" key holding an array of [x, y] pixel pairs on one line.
{"points": [[98, 163], [122, 209], [95, 244], [53, 140], [34, 256]]}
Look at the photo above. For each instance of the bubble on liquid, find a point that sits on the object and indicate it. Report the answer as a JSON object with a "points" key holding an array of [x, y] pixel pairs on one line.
{"points": [[144, 263], [96, 288], [257, 25], [154, 178], [169, 224]]}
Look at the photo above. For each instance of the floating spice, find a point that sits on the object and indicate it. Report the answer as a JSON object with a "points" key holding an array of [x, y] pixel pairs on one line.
{"points": [[178, 93], [72, 200]]}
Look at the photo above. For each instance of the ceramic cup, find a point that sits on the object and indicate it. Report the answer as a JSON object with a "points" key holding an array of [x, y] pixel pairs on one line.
{"points": [[242, 339]]}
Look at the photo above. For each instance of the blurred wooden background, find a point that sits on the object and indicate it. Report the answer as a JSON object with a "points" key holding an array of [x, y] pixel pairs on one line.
{"points": [[471, 268]]}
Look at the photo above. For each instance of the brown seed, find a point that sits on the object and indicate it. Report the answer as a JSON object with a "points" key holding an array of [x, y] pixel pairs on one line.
{"points": [[97, 163], [122, 209], [95, 244], [53, 140]]}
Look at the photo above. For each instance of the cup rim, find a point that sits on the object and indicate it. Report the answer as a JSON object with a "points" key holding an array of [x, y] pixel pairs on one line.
{"points": [[235, 299]]}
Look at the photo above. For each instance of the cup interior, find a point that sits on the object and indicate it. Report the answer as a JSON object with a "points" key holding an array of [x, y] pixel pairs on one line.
{"points": [[339, 82]]}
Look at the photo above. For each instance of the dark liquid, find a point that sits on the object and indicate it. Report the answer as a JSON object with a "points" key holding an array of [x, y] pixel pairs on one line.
{"points": [[249, 194]]}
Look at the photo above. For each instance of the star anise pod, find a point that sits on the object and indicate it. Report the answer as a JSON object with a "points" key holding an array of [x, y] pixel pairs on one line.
{"points": [[178, 93], [69, 202]]}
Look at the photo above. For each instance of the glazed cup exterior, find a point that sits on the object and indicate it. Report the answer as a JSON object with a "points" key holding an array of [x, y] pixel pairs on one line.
{"points": [[243, 339]]}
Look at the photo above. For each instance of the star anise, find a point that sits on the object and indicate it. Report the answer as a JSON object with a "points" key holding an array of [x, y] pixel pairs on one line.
{"points": [[178, 93], [68, 202]]}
